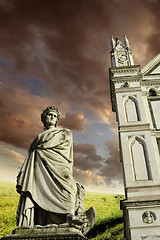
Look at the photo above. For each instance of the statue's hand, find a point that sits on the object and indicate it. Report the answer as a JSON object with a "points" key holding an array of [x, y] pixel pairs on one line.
{"points": [[18, 188], [33, 145]]}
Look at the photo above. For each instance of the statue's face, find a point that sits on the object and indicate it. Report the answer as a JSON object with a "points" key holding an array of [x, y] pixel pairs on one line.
{"points": [[51, 119]]}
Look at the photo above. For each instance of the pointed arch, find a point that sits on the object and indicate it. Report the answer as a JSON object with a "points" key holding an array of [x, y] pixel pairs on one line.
{"points": [[139, 159], [152, 92], [131, 108]]}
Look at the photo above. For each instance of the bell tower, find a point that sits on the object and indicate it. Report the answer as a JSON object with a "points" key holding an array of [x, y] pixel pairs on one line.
{"points": [[135, 97], [121, 54]]}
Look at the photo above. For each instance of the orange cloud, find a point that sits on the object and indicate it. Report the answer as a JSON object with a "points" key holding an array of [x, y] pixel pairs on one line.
{"points": [[15, 156], [74, 121], [86, 177]]}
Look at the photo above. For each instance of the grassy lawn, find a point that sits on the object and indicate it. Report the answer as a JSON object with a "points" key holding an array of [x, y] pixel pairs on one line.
{"points": [[108, 224], [8, 206]]}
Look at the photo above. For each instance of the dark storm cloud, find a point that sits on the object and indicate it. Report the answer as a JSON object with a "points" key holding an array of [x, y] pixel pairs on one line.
{"points": [[86, 163], [74, 121], [86, 157], [112, 168], [20, 116], [60, 42], [64, 44], [92, 168], [153, 38]]}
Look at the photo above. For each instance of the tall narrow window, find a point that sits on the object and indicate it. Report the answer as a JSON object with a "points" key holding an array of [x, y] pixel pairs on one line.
{"points": [[131, 110], [140, 162], [158, 142], [155, 112]]}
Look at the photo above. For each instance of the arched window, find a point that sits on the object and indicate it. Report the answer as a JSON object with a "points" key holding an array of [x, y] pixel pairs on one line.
{"points": [[140, 162], [152, 92], [131, 109]]}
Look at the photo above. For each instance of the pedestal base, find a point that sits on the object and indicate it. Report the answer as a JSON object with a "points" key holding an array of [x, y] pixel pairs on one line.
{"points": [[141, 219], [46, 233]]}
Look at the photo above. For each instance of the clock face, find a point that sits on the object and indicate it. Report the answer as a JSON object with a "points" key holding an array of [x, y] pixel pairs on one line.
{"points": [[122, 58]]}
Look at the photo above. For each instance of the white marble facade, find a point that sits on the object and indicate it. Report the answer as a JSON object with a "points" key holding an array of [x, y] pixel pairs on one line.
{"points": [[135, 96]]}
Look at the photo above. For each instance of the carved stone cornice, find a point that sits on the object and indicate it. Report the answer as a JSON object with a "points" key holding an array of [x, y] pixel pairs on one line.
{"points": [[153, 98], [134, 127], [125, 72], [157, 134], [122, 79], [129, 89], [125, 69], [151, 83], [151, 65], [133, 203]]}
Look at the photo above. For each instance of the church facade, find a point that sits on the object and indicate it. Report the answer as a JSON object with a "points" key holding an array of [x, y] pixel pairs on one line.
{"points": [[135, 97]]}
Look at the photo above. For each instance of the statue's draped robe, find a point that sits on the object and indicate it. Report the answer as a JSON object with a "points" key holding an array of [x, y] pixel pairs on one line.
{"points": [[46, 177]]}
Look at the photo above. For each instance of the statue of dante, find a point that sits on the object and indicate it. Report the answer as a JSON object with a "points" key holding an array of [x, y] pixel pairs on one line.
{"points": [[45, 181]]}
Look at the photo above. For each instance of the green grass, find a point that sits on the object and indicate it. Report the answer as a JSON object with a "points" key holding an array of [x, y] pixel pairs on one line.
{"points": [[8, 206], [108, 224], [106, 205], [111, 233]]}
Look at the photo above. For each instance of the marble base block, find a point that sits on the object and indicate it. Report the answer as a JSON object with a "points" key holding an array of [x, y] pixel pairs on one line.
{"points": [[142, 219], [46, 233]]}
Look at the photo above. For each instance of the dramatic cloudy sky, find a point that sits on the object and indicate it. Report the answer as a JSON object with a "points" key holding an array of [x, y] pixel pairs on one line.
{"points": [[57, 52]]}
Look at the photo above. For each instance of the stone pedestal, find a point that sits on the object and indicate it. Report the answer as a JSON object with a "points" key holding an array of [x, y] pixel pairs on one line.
{"points": [[46, 233], [142, 221]]}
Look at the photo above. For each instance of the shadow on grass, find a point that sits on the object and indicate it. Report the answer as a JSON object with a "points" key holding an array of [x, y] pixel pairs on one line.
{"points": [[101, 227]]}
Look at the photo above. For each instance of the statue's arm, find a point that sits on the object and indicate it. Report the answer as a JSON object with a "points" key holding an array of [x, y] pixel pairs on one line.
{"points": [[68, 144], [33, 145]]}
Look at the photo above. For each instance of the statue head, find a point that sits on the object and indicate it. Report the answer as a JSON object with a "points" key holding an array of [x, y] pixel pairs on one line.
{"points": [[48, 111]]}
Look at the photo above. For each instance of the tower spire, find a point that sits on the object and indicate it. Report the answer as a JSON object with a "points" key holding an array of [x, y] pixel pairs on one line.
{"points": [[113, 43], [126, 41], [121, 54]]}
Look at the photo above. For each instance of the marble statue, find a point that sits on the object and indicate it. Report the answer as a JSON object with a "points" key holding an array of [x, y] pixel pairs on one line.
{"points": [[45, 182]]}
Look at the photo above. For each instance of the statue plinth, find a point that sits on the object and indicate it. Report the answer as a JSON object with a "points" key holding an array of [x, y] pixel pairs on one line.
{"points": [[50, 232]]}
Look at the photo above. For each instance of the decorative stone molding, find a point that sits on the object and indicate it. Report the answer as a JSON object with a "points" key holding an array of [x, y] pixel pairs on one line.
{"points": [[126, 84], [134, 89], [124, 79], [150, 83], [151, 238], [126, 69], [149, 217], [151, 64], [134, 127], [121, 54], [143, 203]]}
